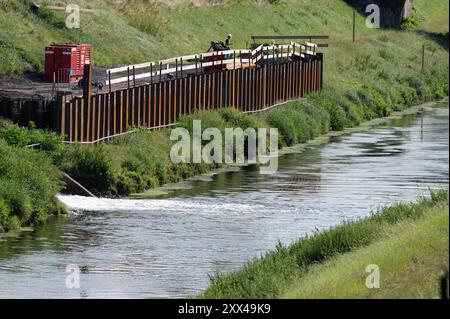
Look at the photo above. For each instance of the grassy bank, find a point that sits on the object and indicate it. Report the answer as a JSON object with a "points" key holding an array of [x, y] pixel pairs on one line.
{"points": [[409, 243], [411, 257]]}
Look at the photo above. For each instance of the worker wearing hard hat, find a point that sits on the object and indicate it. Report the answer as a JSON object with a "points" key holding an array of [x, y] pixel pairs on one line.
{"points": [[229, 40]]}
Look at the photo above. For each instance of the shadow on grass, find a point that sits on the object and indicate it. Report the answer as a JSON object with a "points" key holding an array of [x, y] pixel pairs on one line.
{"points": [[440, 38]]}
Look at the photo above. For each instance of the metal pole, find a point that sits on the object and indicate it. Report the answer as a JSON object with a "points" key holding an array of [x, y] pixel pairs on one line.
{"points": [[240, 57], [134, 77], [181, 67], [109, 76], [176, 68], [160, 71], [201, 63], [354, 26], [151, 73], [54, 84], [196, 70], [128, 77]]}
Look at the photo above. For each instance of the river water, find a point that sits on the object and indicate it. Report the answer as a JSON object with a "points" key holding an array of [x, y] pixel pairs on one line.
{"points": [[168, 247]]}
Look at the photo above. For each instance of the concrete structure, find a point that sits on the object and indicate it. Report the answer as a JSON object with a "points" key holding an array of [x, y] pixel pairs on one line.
{"points": [[392, 11]]}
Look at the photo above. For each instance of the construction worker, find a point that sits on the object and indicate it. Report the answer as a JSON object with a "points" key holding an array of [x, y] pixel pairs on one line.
{"points": [[229, 40]]}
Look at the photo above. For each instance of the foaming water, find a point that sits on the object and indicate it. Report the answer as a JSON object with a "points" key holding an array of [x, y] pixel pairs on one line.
{"points": [[167, 247]]}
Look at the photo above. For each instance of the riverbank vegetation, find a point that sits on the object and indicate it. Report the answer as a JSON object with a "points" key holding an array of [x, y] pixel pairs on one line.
{"points": [[408, 242]]}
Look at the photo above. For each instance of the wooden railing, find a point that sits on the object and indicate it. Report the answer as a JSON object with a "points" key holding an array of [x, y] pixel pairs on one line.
{"points": [[196, 63]]}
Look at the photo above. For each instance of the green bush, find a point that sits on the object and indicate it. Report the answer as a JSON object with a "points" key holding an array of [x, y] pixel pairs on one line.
{"points": [[90, 166], [285, 125], [29, 183], [319, 115], [54, 19], [236, 118], [436, 83], [330, 101], [15, 135], [374, 101], [413, 21], [417, 84], [209, 119]]}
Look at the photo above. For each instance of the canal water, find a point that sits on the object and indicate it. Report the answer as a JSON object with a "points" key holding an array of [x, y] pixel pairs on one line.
{"points": [[168, 247]]}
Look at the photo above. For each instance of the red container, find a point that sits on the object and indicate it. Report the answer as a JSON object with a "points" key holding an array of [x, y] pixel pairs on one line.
{"points": [[64, 63]]}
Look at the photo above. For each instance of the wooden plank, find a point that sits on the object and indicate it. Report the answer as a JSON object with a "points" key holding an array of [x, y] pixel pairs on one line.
{"points": [[77, 124], [183, 96], [94, 106], [154, 107], [169, 101], [104, 112], [71, 120], [160, 84], [139, 105], [122, 109], [233, 89], [204, 92], [62, 107], [193, 92], [98, 101], [114, 112]]}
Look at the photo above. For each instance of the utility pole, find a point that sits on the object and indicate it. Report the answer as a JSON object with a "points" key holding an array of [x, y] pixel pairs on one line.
{"points": [[354, 26]]}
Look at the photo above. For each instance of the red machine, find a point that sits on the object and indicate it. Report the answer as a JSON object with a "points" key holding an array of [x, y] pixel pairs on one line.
{"points": [[64, 63]]}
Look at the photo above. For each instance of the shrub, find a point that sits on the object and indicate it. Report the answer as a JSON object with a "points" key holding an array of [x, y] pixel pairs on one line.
{"points": [[332, 103], [90, 166], [417, 84], [209, 119], [236, 118], [28, 185], [285, 125], [413, 21], [374, 101], [319, 115], [52, 18], [15, 135]]}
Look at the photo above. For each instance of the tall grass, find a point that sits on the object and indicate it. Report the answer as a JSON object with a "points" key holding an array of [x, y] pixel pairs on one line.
{"points": [[29, 183], [265, 277]]}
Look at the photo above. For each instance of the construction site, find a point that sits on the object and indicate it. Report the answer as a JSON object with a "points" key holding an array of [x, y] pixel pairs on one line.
{"points": [[89, 104]]}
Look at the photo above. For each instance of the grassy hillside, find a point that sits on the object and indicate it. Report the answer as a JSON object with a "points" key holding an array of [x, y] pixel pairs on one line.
{"points": [[146, 30], [409, 243]]}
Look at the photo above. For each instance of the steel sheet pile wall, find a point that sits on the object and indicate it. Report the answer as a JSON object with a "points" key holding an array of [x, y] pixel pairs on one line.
{"points": [[157, 105]]}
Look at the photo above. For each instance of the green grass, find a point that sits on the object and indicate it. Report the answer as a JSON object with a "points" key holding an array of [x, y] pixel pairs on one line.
{"points": [[291, 270], [145, 31], [29, 183], [412, 257]]}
